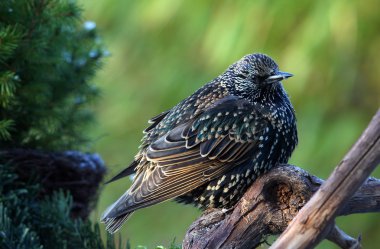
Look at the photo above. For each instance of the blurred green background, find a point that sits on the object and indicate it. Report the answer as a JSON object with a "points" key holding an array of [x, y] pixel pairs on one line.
{"points": [[162, 51]]}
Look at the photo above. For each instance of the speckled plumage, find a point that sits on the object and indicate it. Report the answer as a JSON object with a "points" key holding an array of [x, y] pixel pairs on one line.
{"points": [[210, 147]]}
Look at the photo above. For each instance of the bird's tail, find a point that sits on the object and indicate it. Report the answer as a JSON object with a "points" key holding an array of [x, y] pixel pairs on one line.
{"points": [[114, 216], [114, 224]]}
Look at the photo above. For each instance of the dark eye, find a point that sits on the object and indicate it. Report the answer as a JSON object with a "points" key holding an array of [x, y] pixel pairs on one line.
{"points": [[262, 78]]}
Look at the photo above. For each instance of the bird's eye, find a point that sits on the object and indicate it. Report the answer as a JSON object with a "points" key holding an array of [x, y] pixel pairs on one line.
{"points": [[262, 78]]}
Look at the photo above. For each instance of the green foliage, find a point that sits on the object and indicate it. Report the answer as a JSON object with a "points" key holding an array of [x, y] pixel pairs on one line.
{"points": [[26, 222], [46, 61]]}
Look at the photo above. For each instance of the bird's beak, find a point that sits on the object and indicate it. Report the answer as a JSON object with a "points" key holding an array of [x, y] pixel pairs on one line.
{"points": [[278, 77]]}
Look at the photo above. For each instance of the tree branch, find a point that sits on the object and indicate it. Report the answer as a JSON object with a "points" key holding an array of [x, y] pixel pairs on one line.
{"points": [[267, 208], [312, 223], [275, 198]]}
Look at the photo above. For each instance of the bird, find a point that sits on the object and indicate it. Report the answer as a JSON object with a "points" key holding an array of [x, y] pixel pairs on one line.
{"points": [[208, 149]]}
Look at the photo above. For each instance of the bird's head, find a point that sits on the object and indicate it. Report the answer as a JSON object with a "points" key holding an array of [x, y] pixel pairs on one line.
{"points": [[255, 76]]}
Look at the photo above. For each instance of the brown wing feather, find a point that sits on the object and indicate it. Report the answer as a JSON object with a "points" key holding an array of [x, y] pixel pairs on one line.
{"points": [[172, 167]]}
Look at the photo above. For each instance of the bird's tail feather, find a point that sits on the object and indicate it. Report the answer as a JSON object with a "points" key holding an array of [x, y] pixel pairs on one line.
{"points": [[114, 224], [114, 219]]}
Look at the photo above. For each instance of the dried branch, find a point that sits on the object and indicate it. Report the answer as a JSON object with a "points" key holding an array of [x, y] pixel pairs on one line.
{"points": [[312, 223], [267, 208], [275, 198]]}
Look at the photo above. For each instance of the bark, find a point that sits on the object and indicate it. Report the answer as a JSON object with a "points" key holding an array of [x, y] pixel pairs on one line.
{"points": [[314, 221], [268, 207]]}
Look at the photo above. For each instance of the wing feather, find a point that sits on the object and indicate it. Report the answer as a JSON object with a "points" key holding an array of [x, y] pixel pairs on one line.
{"points": [[155, 120], [194, 153], [125, 172]]}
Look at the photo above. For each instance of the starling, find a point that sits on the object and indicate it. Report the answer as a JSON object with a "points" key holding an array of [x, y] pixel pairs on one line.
{"points": [[209, 148]]}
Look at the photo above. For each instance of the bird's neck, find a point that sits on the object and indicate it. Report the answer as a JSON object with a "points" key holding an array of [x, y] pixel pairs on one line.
{"points": [[274, 100], [273, 94]]}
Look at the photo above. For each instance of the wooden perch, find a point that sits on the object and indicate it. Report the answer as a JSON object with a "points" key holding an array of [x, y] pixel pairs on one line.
{"points": [[314, 221], [275, 198], [269, 205]]}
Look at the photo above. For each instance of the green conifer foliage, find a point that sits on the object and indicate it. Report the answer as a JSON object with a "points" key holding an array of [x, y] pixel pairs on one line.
{"points": [[47, 58], [27, 222]]}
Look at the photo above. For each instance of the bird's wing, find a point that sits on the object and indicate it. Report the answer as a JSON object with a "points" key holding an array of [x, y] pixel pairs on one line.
{"points": [[194, 153], [156, 120], [125, 172], [131, 168]]}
